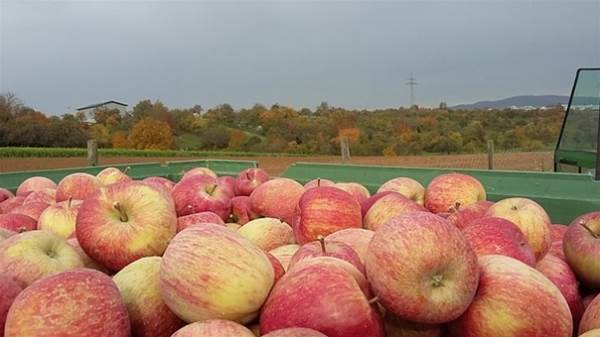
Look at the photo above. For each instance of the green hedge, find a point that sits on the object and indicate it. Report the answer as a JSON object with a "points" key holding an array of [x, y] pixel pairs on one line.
{"points": [[25, 152]]}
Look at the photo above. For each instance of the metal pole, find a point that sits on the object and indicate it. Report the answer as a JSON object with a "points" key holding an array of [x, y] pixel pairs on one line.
{"points": [[490, 151], [92, 152], [597, 173]]}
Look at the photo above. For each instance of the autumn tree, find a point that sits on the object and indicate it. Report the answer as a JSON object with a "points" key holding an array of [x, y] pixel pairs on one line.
{"points": [[151, 134]]}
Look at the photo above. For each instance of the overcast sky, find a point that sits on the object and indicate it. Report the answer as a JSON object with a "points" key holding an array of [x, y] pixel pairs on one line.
{"points": [[59, 55]]}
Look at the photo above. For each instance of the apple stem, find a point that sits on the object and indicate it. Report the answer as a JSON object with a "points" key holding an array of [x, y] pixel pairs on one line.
{"points": [[126, 169], [373, 300], [318, 182], [322, 242], [122, 215], [69, 202], [211, 189], [21, 229], [248, 175], [594, 235]]}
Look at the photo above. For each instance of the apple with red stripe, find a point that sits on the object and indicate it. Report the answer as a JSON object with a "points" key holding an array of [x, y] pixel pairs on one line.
{"points": [[448, 190]]}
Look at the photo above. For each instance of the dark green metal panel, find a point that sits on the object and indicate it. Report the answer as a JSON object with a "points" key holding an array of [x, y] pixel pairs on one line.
{"points": [[583, 159], [219, 166], [563, 195]]}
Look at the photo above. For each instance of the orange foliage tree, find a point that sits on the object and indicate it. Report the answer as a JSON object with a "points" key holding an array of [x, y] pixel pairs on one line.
{"points": [[237, 138], [119, 140], [151, 134]]}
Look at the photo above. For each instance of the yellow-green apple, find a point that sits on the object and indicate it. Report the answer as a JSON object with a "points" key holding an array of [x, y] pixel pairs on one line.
{"points": [[228, 185], [366, 205], [324, 210], [201, 193], [327, 248], [211, 272], [318, 183], [462, 216], [9, 204], [357, 238], [199, 171], [241, 209], [422, 268], [233, 226], [77, 186], [591, 333], [276, 198], [32, 209], [397, 327], [581, 245], [324, 297], [408, 187], [124, 222], [448, 190], [591, 317], [214, 328], [29, 256], [112, 175], [5, 194], [17, 222], [9, 289], [186, 221], [491, 236], [513, 299], [80, 302], [531, 219], [138, 284], [88, 262], [387, 207], [160, 181], [267, 233], [34, 184], [278, 270], [60, 218], [284, 254], [46, 195], [358, 191], [559, 273], [557, 232], [247, 180], [295, 332]]}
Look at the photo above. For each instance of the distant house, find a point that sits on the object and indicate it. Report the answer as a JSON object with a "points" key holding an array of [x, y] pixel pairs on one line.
{"points": [[89, 110]]}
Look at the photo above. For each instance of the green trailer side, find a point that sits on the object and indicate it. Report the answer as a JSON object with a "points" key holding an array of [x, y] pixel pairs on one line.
{"points": [[563, 195]]}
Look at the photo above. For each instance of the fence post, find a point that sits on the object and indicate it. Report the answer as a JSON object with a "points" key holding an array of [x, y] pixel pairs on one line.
{"points": [[490, 152], [345, 149], [92, 152]]}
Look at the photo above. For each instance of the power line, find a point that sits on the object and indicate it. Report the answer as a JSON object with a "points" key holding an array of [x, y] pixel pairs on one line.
{"points": [[412, 82]]}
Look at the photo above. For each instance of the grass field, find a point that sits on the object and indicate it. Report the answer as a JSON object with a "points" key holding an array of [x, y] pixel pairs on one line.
{"points": [[276, 164]]}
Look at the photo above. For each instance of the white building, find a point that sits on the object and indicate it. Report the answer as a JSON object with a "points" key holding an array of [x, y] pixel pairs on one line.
{"points": [[89, 110]]}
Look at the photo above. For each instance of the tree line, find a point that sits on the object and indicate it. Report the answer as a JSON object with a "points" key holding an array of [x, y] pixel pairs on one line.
{"points": [[278, 128]]}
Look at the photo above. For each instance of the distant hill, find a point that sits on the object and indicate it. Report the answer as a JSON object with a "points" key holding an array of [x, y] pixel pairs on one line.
{"points": [[519, 101]]}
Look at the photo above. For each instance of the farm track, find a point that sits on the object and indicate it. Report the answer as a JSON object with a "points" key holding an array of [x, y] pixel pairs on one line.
{"points": [[531, 161]]}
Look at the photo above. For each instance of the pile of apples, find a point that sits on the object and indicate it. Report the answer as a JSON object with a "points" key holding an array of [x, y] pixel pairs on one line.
{"points": [[246, 256]]}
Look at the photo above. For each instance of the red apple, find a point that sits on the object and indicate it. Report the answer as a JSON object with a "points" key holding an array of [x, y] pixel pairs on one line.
{"points": [[112, 175], [201, 193], [60, 218], [9, 204], [284, 254], [581, 245], [32, 210], [295, 332], [396, 327], [591, 317], [530, 217], [278, 270], [9, 289], [186, 221], [5, 194], [199, 171], [277, 198], [357, 238], [125, 222], [366, 205], [228, 185], [247, 180], [408, 187], [448, 190], [214, 328], [324, 210], [422, 268], [327, 248], [211, 272], [388, 207], [160, 181], [557, 232], [77, 186], [88, 262], [34, 184], [29, 256], [241, 210], [46, 195], [358, 191], [138, 284], [490, 235], [588, 299], [267, 233], [17, 222], [324, 297], [318, 183], [559, 273], [462, 216], [82, 302], [513, 299]]}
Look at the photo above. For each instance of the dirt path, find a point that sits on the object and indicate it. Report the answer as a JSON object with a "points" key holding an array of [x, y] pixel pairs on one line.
{"points": [[532, 161]]}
